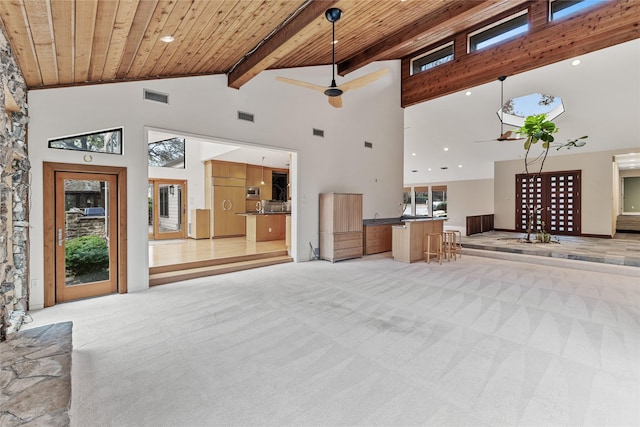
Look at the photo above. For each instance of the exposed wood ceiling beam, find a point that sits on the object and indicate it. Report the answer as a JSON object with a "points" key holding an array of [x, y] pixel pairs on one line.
{"points": [[610, 24], [452, 18], [288, 38]]}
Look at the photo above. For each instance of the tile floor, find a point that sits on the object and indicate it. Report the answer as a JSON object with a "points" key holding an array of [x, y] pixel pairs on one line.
{"points": [[624, 249], [473, 342]]}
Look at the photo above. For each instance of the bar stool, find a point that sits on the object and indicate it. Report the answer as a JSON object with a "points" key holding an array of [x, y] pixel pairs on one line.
{"points": [[453, 243], [434, 247], [458, 242]]}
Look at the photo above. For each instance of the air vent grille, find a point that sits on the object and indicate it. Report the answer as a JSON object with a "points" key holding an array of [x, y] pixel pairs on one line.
{"points": [[368, 144], [156, 96], [318, 132], [248, 117]]}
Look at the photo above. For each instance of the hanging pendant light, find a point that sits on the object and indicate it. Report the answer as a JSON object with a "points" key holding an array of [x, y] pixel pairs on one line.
{"points": [[262, 182]]}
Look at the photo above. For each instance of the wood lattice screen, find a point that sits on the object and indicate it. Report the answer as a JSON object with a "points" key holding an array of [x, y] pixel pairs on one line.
{"points": [[555, 197]]}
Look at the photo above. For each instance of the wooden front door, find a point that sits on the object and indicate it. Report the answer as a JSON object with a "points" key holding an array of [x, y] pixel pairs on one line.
{"points": [[86, 237], [555, 198], [85, 231]]}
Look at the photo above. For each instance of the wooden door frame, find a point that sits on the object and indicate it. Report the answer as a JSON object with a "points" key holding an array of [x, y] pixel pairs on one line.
{"points": [[49, 227], [156, 204]]}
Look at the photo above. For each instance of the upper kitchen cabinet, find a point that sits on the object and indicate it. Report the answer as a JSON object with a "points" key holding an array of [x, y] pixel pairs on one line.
{"points": [[253, 175], [228, 169], [258, 174]]}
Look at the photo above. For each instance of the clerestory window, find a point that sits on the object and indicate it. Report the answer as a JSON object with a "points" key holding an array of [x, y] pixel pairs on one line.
{"points": [[498, 32], [433, 58]]}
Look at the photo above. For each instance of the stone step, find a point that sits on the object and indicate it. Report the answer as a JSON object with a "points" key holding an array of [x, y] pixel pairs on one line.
{"points": [[628, 223], [212, 270]]}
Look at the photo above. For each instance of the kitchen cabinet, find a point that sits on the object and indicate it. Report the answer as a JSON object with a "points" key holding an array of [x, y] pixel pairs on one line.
{"points": [[225, 198], [262, 228], [341, 229], [228, 169], [254, 179], [200, 224], [377, 238], [228, 202]]}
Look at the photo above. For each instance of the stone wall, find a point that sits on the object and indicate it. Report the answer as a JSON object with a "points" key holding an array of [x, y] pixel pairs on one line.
{"points": [[78, 225], [14, 186]]}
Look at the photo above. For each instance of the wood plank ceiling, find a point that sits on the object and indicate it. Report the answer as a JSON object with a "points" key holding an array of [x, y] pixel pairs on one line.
{"points": [[73, 42]]}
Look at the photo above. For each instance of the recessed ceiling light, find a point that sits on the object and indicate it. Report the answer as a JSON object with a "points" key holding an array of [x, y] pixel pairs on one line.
{"points": [[459, 166], [413, 154], [167, 39], [429, 169], [575, 62], [334, 42], [446, 149], [468, 93]]}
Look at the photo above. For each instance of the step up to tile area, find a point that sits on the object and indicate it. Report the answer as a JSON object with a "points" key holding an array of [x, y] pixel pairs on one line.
{"points": [[174, 273], [628, 223]]}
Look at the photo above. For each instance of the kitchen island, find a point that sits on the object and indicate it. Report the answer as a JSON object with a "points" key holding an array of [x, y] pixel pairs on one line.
{"points": [[409, 239], [262, 227]]}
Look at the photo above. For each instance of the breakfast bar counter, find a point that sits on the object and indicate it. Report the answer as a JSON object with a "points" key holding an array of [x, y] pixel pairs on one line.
{"points": [[262, 227], [409, 239]]}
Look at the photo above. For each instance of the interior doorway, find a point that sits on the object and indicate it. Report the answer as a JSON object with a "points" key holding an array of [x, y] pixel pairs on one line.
{"points": [[85, 231], [167, 209]]}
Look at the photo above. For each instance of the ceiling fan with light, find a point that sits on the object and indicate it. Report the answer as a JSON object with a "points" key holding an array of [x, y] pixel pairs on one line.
{"points": [[334, 92], [508, 135]]}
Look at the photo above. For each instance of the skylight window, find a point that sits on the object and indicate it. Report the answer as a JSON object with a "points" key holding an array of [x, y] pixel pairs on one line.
{"points": [[432, 59], [499, 32], [562, 8], [515, 110]]}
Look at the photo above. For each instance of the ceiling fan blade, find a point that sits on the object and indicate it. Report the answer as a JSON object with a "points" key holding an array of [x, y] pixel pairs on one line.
{"points": [[335, 101], [364, 80], [507, 136], [302, 84], [510, 136]]}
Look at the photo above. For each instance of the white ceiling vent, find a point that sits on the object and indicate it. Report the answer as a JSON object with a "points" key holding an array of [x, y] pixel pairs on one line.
{"points": [[368, 144], [318, 132], [245, 116], [156, 96]]}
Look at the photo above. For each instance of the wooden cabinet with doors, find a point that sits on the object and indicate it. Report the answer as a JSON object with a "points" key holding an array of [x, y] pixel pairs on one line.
{"points": [[224, 196], [228, 169], [340, 226], [377, 238], [228, 202], [255, 175]]}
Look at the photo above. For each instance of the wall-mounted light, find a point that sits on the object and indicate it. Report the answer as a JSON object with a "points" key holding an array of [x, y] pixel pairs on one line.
{"points": [[172, 190]]}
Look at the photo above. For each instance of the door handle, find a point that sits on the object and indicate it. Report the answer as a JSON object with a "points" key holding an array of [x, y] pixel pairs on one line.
{"points": [[224, 205], [59, 236]]}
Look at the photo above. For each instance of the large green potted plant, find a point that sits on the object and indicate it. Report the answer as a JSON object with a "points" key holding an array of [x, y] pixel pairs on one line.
{"points": [[537, 128]]}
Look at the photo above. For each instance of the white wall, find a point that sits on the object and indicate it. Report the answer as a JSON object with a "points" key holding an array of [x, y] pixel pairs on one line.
{"points": [[284, 118], [597, 188]]}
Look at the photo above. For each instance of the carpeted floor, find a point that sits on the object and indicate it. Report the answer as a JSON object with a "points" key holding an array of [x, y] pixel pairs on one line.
{"points": [[473, 342]]}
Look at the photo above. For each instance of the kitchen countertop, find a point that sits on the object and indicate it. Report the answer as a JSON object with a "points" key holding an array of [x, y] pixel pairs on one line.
{"points": [[263, 213], [400, 220]]}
